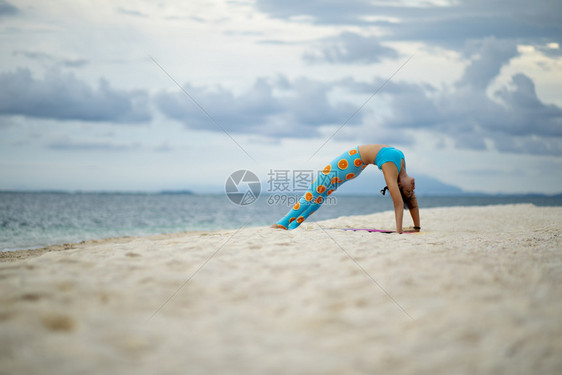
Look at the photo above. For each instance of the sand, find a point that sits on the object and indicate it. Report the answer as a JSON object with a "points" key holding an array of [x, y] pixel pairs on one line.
{"points": [[478, 292]]}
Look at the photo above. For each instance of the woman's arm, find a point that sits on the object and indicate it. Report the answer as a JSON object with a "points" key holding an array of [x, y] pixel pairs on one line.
{"points": [[391, 177]]}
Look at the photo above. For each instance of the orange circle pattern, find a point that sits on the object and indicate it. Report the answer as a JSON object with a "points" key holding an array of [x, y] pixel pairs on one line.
{"points": [[336, 180], [343, 164]]}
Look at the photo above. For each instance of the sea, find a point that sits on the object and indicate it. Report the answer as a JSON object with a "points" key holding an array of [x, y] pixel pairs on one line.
{"points": [[30, 220]]}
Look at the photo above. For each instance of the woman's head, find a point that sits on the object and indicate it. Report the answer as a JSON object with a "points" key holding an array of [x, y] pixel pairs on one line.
{"points": [[407, 187]]}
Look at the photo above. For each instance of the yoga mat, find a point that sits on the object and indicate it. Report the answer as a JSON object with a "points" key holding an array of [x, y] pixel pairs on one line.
{"points": [[377, 230]]}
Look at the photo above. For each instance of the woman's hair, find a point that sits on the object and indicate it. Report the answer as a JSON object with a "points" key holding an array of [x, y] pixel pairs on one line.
{"points": [[406, 200]]}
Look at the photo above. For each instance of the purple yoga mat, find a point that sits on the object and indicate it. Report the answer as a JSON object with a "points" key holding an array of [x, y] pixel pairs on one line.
{"points": [[370, 230]]}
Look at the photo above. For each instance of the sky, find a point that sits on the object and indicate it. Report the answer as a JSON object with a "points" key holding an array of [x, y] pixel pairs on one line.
{"points": [[169, 95]]}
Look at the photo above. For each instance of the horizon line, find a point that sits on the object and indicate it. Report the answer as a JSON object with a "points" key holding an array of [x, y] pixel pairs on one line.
{"points": [[191, 192]]}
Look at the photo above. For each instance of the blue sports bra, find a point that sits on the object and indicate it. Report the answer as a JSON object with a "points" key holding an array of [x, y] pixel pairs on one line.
{"points": [[392, 154]]}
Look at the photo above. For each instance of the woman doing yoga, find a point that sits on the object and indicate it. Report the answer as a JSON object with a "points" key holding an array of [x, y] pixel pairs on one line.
{"points": [[347, 167]]}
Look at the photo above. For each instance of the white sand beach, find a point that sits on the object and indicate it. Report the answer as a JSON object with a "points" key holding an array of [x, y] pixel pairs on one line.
{"points": [[479, 291]]}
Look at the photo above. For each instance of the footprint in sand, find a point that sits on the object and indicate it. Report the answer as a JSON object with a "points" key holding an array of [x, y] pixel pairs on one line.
{"points": [[58, 322]]}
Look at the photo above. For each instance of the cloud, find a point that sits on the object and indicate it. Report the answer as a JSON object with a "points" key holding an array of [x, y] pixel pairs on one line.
{"points": [[453, 29], [64, 97], [67, 144], [512, 119], [488, 57], [271, 108], [163, 147], [48, 58], [7, 9], [551, 49], [74, 63], [350, 47], [526, 114], [333, 12], [451, 24], [34, 55], [131, 12]]}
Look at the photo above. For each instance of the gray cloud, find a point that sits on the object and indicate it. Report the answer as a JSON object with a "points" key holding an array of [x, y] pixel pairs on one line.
{"points": [[131, 12], [74, 63], [333, 12], [520, 122], [486, 33], [551, 52], [488, 56], [350, 48], [163, 147], [513, 119], [445, 25], [527, 115], [7, 9], [50, 59], [279, 108], [67, 144], [64, 97], [34, 55]]}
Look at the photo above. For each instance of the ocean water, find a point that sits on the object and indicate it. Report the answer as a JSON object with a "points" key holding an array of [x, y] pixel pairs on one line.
{"points": [[32, 220]]}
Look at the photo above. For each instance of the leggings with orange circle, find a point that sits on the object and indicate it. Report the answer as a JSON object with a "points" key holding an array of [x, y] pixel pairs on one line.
{"points": [[343, 168]]}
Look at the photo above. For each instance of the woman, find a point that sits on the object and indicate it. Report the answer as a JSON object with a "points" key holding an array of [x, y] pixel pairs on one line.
{"points": [[348, 166]]}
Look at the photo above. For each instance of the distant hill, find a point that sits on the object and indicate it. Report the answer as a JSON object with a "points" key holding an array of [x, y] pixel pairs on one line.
{"points": [[426, 185], [369, 183]]}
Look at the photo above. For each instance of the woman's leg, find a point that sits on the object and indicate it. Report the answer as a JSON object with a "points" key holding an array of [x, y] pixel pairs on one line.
{"points": [[303, 208], [343, 168]]}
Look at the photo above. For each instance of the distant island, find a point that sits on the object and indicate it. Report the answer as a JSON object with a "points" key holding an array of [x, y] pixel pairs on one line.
{"points": [[176, 192]]}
